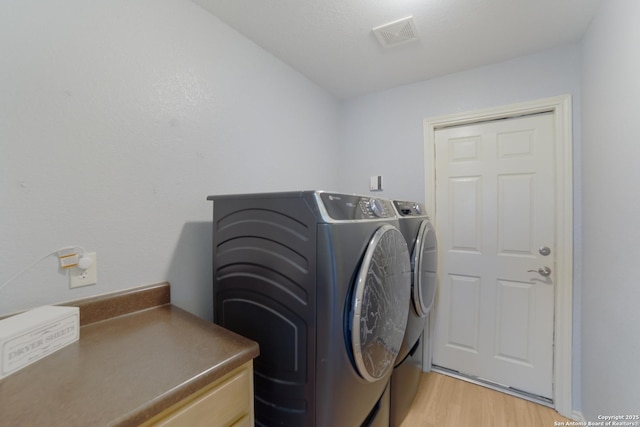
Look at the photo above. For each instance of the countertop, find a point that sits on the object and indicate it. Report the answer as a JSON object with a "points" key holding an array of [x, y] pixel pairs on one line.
{"points": [[124, 369]]}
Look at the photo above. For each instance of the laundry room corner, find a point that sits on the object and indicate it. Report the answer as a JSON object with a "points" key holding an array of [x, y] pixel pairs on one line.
{"points": [[189, 271]]}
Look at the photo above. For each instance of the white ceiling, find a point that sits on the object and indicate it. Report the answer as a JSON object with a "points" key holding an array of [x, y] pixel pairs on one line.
{"points": [[332, 43]]}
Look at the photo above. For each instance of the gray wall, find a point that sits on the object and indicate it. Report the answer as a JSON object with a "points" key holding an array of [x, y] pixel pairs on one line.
{"points": [[611, 284], [117, 119], [383, 132]]}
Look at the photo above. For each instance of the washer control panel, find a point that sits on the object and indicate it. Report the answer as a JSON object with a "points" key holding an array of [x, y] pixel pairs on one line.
{"points": [[373, 208], [343, 207]]}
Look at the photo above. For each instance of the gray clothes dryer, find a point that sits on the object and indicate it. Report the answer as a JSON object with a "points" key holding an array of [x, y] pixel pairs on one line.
{"points": [[321, 281], [416, 227]]}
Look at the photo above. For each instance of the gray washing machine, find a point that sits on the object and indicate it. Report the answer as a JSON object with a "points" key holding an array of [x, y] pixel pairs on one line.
{"points": [[416, 227], [321, 281]]}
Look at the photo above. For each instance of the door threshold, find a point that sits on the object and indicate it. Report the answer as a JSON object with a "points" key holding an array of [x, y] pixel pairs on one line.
{"points": [[545, 401]]}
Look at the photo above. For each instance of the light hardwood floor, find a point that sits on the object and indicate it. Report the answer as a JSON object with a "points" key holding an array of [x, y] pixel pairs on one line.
{"points": [[443, 401]]}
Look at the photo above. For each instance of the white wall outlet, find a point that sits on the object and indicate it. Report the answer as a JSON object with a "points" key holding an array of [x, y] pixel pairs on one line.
{"points": [[79, 277], [375, 183]]}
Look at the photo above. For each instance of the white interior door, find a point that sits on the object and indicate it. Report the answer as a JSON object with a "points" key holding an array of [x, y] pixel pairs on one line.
{"points": [[495, 196]]}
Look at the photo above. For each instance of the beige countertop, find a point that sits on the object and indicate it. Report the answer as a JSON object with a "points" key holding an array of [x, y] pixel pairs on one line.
{"points": [[125, 369]]}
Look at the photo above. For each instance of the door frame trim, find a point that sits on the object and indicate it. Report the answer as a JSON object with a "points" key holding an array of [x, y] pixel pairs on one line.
{"points": [[560, 106]]}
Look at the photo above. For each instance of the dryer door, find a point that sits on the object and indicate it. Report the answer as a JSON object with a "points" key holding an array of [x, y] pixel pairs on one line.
{"points": [[424, 263], [379, 304]]}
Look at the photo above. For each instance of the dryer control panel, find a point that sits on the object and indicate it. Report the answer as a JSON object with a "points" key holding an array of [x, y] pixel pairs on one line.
{"points": [[409, 208], [345, 207]]}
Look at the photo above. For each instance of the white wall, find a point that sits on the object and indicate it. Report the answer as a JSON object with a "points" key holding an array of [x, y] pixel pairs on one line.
{"points": [[383, 132], [117, 119], [611, 288]]}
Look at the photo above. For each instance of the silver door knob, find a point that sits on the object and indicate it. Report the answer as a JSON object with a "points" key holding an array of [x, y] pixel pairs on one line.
{"points": [[543, 271]]}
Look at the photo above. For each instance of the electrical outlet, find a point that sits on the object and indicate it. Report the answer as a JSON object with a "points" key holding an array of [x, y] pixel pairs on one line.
{"points": [[79, 277]]}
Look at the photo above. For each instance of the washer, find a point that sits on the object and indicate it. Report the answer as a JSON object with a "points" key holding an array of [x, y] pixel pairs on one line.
{"points": [[420, 236], [321, 281]]}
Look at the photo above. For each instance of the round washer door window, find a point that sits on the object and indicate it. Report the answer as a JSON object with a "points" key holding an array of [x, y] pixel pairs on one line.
{"points": [[424, 262], [379, 305]]}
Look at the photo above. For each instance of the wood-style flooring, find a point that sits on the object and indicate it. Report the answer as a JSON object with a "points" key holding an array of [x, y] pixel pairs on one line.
{"points": [[443, 401]]}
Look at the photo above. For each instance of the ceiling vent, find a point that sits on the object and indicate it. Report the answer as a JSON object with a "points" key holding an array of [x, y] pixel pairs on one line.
{"points": [[397, 33]]}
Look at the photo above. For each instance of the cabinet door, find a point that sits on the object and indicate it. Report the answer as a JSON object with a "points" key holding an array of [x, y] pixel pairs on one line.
{"points": [[227, 402]]}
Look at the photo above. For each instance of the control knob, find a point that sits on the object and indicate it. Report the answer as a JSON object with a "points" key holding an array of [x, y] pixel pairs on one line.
{"points": [[376, 207]]}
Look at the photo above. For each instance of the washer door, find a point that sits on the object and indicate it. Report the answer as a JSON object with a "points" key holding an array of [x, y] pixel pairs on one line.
{"points": [[379, 304], [424, 264]]}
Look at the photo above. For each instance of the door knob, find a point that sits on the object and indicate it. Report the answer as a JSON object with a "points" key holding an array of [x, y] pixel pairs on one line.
{"points": [[543, 271]]}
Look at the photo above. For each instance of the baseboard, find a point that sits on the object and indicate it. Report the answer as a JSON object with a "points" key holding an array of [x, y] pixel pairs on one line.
{"points": [[577, 416]]}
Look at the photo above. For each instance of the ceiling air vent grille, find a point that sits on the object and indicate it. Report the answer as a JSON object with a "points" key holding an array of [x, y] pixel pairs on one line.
{"points": [[397, 33]]}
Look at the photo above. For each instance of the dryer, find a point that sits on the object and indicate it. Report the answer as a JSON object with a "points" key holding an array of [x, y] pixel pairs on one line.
{"points": [[416, 227], [321, 281]]}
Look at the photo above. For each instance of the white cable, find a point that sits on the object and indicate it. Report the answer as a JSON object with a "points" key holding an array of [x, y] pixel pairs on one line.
{"points": [[39, 261]]}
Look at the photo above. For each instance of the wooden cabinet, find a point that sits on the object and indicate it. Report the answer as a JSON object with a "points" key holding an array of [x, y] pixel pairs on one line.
{"points": [[226, 402]]}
